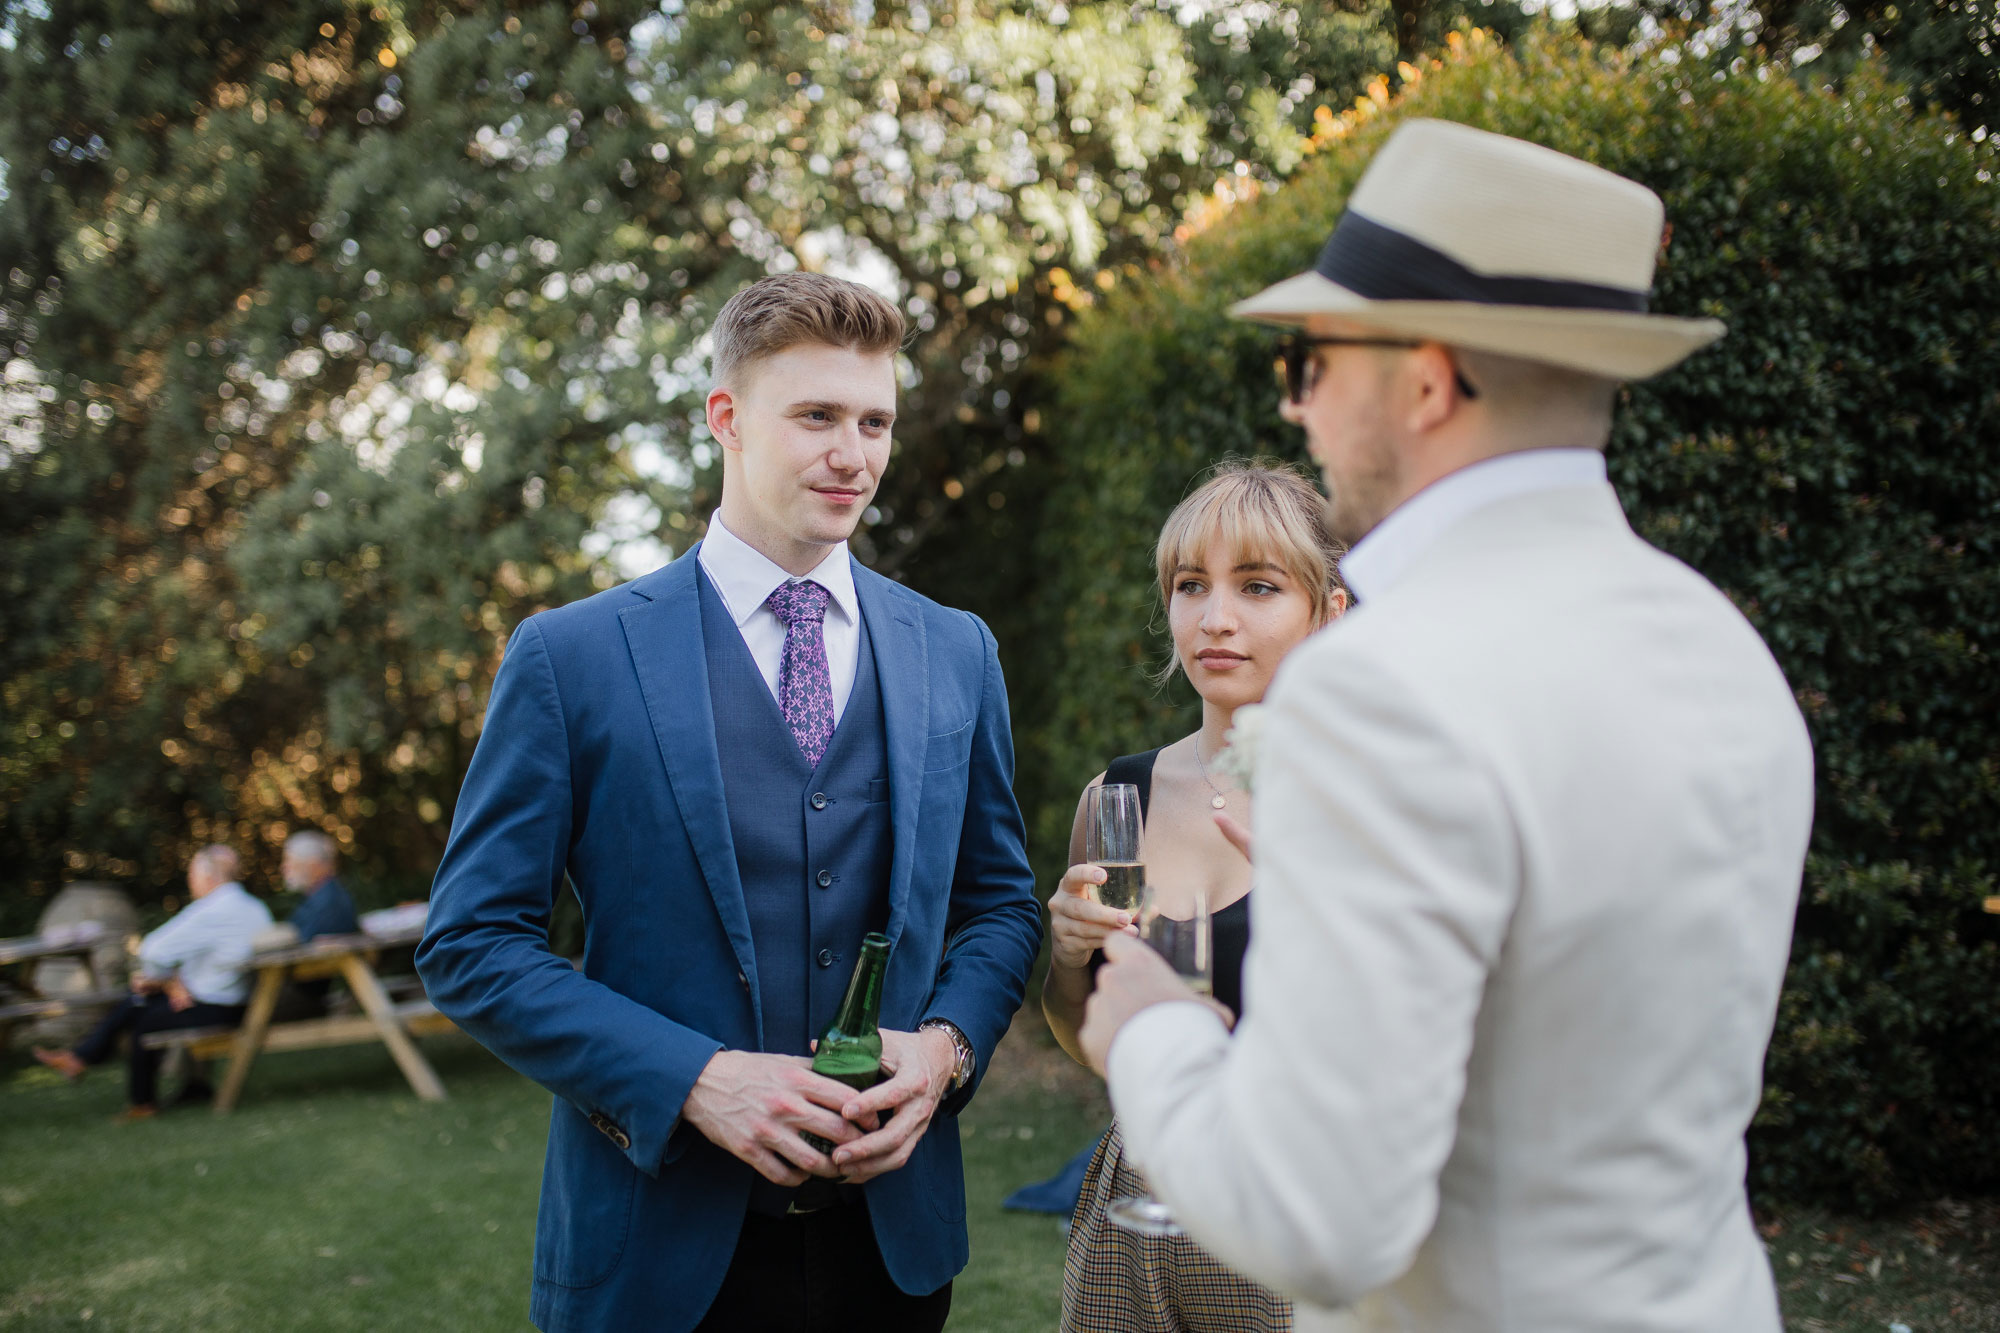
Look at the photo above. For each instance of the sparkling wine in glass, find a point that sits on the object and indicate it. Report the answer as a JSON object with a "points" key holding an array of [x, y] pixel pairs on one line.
{"points": [[1111, 841], [1190, 946]]}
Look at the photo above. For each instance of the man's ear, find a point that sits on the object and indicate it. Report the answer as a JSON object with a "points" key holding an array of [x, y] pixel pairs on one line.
{"points": [[722, 417], [1433, 394]]}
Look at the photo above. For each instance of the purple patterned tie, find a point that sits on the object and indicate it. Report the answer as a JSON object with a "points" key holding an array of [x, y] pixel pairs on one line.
{"points": [[805, 691]]}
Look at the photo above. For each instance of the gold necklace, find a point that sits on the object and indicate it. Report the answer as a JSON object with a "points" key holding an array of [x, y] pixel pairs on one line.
{"points": [[1218, 801]]}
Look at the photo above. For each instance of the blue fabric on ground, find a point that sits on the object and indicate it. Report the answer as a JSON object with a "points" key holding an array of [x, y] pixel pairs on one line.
{"points": [[1057, 1194]]}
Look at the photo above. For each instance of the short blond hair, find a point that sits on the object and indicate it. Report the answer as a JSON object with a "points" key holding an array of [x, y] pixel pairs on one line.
{"points": [[1259, 509], [787, 310]]}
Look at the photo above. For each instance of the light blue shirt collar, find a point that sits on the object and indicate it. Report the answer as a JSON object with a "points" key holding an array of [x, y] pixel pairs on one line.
{"points": [[1380, 559]]}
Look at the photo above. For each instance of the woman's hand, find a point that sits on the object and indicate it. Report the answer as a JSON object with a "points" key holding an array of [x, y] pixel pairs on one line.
{"points": [[1239, 836], [1078, 923]]}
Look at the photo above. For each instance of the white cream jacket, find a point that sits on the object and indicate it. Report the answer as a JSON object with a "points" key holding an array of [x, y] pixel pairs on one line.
{"points": [[1530, 828]]}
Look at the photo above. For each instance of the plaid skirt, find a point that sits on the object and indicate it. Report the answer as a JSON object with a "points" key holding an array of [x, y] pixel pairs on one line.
{"points": [[1117, 1281]]}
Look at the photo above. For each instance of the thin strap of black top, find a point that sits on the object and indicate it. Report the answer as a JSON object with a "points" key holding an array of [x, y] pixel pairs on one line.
{"points": [[1136, 769]]}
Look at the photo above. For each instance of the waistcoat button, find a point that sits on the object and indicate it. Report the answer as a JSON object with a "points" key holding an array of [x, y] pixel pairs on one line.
{"points": [[819, 800], [825, 878], [826, 958]]}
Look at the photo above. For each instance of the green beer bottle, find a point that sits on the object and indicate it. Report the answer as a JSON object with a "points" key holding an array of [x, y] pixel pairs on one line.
{"points": [[850, 1050]]}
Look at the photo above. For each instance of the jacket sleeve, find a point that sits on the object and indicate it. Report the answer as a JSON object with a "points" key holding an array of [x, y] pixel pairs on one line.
{"points": [[485, 958], [1306, 1149], [994, 925]]}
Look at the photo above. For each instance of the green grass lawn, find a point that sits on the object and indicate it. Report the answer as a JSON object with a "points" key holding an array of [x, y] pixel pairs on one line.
{"points": [[334, 1200]]}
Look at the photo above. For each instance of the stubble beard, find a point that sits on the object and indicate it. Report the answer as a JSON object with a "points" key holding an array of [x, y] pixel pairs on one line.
{"points": [[1359, 501]]}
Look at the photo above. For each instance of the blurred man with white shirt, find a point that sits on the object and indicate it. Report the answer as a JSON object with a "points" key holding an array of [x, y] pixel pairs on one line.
{"points": [[190, 975], [1530, 824]]}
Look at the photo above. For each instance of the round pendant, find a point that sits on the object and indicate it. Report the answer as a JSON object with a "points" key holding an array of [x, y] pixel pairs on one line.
{"points": [[1217, 801]]}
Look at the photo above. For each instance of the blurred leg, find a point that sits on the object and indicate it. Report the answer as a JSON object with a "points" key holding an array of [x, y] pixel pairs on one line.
{"points": [[143, 1071], [98, 1044]]}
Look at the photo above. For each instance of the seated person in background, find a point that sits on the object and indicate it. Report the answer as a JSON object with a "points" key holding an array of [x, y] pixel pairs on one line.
{"points": [[190, 976], [308, 868]]}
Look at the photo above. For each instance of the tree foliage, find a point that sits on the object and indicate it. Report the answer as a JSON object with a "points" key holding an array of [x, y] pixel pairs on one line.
{"points": [[1947, 52], [338, 337], [1832, 465]]}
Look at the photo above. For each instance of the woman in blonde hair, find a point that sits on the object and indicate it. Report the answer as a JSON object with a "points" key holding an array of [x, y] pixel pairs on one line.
{"points": [[1247, 571]]}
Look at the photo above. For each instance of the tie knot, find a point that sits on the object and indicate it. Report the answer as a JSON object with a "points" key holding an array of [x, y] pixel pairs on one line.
{"points": [[803, 602]]}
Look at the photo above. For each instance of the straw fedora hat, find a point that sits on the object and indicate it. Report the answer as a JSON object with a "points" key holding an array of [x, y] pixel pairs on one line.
{"points": [[1481, 241]]}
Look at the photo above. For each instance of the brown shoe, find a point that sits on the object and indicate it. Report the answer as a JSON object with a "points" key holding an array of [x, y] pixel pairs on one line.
{"points": [[63, 1062], [135, 1113]]}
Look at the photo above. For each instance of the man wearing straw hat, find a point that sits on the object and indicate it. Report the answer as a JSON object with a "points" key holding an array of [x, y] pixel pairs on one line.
{"points": [[1529, 832]]}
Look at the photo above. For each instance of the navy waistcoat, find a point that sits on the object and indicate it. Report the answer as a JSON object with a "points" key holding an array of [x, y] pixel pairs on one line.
{"points": [[812, 845]]}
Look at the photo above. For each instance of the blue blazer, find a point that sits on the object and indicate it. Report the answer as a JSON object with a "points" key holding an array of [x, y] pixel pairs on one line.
{"points": [[598, 762]]}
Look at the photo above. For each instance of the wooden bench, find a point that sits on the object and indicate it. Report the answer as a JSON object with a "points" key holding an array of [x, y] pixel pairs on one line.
{"points": [[419, 1018], [26, 1001], [392, 1019], [55, 1006]]}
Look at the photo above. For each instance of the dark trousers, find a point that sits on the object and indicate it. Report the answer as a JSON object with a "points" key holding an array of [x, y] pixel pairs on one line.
{"points": [[817, 1273], [300, 1000], [135, 1016]]}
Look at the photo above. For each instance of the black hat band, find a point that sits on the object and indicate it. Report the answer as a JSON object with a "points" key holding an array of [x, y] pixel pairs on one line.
{"points": [[1382, 264]]}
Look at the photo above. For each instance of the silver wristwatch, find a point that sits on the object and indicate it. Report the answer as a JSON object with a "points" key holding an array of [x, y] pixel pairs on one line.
{"points": [[961, 1070]]}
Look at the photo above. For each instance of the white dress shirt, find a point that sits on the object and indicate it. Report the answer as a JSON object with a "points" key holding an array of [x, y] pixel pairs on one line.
{"points": [[745, 577], [1380, 558], [1530, 823], [207, 944]]}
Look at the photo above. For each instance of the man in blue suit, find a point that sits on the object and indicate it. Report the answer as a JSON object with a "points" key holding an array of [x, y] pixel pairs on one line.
{"points": [[743, 762]]}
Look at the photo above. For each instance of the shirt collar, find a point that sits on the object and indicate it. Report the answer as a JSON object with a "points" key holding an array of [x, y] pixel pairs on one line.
{"points": [[220, 892], [746, 577], [1380, 559]]}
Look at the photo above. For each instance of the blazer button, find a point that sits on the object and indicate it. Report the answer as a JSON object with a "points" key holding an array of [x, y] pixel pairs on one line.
{"points": [[825, 878], [622, 1139], [826, 958], [743, 981], [819, 800]]}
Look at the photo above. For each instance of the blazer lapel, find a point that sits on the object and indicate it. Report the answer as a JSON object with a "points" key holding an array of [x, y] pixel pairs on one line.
{"points": [[902, 664], [663, 633]]}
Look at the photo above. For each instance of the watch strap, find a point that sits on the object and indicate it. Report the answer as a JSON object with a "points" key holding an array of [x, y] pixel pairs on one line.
{"points": [[961, 1072]]}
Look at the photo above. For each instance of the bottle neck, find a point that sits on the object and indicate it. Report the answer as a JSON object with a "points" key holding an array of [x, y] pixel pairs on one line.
{"points": [[861, 1008]]}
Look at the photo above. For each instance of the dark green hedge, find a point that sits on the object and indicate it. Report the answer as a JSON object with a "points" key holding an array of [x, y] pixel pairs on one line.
{"points": [[1834, 465]]}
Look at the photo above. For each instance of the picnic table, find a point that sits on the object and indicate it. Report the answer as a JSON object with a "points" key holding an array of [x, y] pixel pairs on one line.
{"points": [[382, 1019], [78, 941]]}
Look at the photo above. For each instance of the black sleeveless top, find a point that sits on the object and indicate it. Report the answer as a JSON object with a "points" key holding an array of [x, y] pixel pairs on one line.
{"points": [[1231, 925]]}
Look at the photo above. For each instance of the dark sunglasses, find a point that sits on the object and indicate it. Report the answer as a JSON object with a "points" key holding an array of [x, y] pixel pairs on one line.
{"points": [[1301, 369]]}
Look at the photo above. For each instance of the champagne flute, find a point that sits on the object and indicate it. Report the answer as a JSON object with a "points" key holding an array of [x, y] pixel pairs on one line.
{"points": [[1190, 946], [1111, 841]]}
